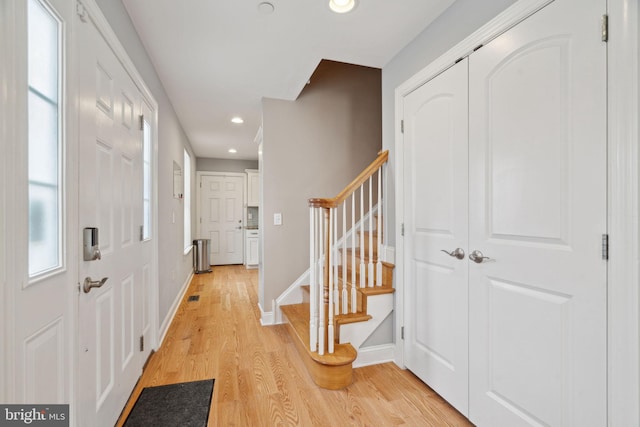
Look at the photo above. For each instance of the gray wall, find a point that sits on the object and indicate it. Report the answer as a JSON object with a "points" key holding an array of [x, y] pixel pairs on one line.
{"points": [[313, 147], [174, 266], [454, 25], [224, 165]]}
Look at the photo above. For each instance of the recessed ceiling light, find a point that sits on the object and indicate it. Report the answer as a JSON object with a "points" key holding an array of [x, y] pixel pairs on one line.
{"points": [[342, 6], [233, 150], [237, 120], [266, 8]]}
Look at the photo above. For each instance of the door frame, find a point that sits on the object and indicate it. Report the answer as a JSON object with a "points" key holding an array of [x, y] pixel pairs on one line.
{"points": [[623, 318], [199, 175], [7, 193]]}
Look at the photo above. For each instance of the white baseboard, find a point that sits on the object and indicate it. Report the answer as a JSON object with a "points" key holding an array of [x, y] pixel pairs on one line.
{"points": [[292, 295], [389, 254], [266, 317], [375, 355], [164, 327]]}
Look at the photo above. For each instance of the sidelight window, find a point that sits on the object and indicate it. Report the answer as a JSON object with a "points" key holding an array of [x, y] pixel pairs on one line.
{"points": [[44, 139]]}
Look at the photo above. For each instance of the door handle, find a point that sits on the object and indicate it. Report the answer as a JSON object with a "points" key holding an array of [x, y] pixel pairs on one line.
{"points": [[90, 284], [456, 253], [477, 257]]}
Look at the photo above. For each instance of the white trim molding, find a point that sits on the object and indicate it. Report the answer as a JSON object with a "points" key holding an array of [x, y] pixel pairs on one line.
{"points": [[7, 123], [267, 317], [375, 355], [624, 134], [623, 200]]}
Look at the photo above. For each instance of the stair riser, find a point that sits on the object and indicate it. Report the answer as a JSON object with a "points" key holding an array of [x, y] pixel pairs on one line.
{"points": [[367, 237], [387, 273]]}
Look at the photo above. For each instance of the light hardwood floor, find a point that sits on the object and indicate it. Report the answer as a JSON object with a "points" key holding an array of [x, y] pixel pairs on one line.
{"points": [[259, 377]]}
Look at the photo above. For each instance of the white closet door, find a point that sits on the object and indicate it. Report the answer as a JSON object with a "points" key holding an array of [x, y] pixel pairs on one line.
{"points": [[436, 177], [538, 210]]}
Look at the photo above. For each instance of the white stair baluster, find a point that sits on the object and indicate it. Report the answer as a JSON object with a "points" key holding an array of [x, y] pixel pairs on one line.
{"points": [[320, 290], [345, 296], [379, 230], [313, 309], [330, 334], [354, 296], [370, 257], [363, 268]]}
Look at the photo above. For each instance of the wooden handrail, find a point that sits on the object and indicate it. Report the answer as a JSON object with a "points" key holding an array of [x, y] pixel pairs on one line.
{"points": [[383, 156]]}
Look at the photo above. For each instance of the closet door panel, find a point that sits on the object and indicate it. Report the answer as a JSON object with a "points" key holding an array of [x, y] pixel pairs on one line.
{"points": [[537, 203], [436, 180]]}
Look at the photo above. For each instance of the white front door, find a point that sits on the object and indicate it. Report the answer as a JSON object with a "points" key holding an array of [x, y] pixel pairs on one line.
{"points": [[536, 210], [537, 203], [221, 217], [436, 207], [41, 194], [111, 199]]}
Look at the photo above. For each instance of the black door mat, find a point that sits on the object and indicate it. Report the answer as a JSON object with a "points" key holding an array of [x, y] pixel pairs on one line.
{"points": [[183, 404]]}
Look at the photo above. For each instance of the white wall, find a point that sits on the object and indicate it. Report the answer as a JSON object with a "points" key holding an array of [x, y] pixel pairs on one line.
{"points": [[453, 26], [174, 265]]}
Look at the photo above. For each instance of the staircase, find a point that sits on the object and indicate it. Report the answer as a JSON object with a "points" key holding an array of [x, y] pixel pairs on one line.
{"points": [[351, 289]]}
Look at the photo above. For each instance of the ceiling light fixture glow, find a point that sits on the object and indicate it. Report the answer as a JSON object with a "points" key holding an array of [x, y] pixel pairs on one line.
{"points": [[233, 150], [342, 6], [266, 8], [237, 120]]}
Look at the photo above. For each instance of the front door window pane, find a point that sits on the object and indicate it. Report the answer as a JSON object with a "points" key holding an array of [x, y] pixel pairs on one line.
{"points": [[44, 139]]}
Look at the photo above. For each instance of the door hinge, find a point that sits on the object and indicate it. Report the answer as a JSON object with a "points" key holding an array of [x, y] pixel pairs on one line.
{"points": [[141, 342], [401, 126], [141, 233], [141, 121], [402, 332], [605, 247], [402, 229], [605, 27]]}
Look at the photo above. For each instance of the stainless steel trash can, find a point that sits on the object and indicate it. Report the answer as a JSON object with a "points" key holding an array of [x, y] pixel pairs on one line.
{"points": [[201, 262]]}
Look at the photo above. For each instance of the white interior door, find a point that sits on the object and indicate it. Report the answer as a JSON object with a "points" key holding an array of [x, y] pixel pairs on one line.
{"points": [[221, 217], [111, 199], [538, 331], [436, 207]]}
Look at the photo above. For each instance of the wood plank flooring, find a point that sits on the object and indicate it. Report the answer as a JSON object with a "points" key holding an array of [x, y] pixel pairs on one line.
{"points": [[260, 379]]}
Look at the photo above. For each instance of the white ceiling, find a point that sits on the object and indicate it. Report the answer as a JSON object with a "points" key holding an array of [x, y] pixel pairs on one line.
{"points": [[217, 59]]}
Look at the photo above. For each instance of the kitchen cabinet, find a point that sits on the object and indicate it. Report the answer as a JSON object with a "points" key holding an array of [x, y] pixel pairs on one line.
{"points": [[252, 256], [253, 187]]}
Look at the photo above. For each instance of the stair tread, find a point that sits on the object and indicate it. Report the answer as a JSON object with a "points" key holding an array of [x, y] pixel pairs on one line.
{"points": [[298, 316], [377, 290], [343, 319]]}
